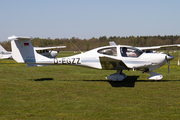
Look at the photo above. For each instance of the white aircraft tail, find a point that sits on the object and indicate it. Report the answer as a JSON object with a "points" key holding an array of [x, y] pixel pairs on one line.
{"points": [[23, 51], [2, 50]]}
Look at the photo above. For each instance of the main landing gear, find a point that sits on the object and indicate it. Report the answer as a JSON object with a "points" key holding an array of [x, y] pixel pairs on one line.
{"points": [[118, 76]]}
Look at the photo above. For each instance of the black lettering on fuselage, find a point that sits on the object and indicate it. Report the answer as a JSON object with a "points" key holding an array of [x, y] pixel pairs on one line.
{"points": [[63, 61], [55, 61], [78, 60], [73, 60], [67, 61]]}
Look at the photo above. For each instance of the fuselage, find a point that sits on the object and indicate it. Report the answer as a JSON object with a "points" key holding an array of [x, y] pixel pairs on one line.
{"points": [[5, 55], [110, 57]]}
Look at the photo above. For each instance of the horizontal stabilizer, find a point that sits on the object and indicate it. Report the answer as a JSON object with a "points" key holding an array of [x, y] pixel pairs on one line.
{"points": [[19, 38]]}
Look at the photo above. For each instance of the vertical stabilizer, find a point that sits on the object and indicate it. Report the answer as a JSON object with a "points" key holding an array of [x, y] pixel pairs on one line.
{"points": [[2, 50], [23, 50]]}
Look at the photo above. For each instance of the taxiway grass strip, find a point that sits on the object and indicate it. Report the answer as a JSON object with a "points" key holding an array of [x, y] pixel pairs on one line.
{"points": [[70, 92]]}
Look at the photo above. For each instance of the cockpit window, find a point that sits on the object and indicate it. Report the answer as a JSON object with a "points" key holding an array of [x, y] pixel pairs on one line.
{"points": [[148, 51], [130, 52], [108, 51]]}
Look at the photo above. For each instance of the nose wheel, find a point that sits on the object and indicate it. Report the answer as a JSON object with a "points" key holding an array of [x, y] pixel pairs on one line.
{"points": [[154, 76]]}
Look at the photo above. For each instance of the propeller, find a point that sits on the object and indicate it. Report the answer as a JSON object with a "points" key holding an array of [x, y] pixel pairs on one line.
{"points": [[168, 62], [178, 58], [168, 58]]}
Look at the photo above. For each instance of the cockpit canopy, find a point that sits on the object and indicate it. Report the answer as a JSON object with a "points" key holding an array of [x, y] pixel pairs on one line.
{"points": [[130, 52], [124, 51], [108, 51]]}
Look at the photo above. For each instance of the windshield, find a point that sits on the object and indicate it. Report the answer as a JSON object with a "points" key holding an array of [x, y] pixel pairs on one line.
{"points": [[130, 52]]}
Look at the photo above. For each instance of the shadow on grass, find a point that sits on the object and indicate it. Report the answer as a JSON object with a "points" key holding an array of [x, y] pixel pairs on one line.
{"points": [[128, 82], [43, 79]]}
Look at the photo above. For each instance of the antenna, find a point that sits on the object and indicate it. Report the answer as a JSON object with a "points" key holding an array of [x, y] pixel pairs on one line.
{"points": [[77, 48]]}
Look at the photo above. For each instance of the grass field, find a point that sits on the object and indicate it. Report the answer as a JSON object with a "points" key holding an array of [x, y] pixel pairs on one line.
{"points": [[78, 93]]}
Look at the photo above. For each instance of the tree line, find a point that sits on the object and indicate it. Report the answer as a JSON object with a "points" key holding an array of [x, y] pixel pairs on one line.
{"points": [[88, 44]]}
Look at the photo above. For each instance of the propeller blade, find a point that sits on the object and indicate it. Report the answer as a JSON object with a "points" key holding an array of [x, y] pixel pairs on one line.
{"points": [[168, 58], [168, 61], [168, 66], [168, 51]]}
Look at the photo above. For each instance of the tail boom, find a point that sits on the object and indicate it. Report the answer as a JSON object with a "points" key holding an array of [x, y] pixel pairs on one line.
{"points": [[24, 52]]}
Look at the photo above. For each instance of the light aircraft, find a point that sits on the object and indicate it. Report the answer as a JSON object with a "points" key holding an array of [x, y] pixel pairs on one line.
{"points": [[45, 51], [113, 57], [5, 54]]}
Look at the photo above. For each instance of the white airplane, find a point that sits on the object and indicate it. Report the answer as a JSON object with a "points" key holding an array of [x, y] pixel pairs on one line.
{"points": [[5, 54], [108, 58], [45, 51]]}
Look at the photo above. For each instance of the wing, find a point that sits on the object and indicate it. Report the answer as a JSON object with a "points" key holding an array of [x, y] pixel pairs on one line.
{"points": [[108, 63], [47, 48], [158, 47]]}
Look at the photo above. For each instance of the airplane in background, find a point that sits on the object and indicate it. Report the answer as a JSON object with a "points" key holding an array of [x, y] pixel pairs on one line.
{"points": [[113, 57], [45, 51], [5, 54]]}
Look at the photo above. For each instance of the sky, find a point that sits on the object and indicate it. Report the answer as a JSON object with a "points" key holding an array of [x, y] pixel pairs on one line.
{"points": [[85, 19]]}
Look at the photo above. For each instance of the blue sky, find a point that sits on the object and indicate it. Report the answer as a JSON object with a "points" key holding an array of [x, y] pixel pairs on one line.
{"points": [[85, 19]]}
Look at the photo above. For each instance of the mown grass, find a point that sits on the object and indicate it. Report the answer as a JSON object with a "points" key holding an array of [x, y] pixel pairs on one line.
{"points": [[70, 92]]}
